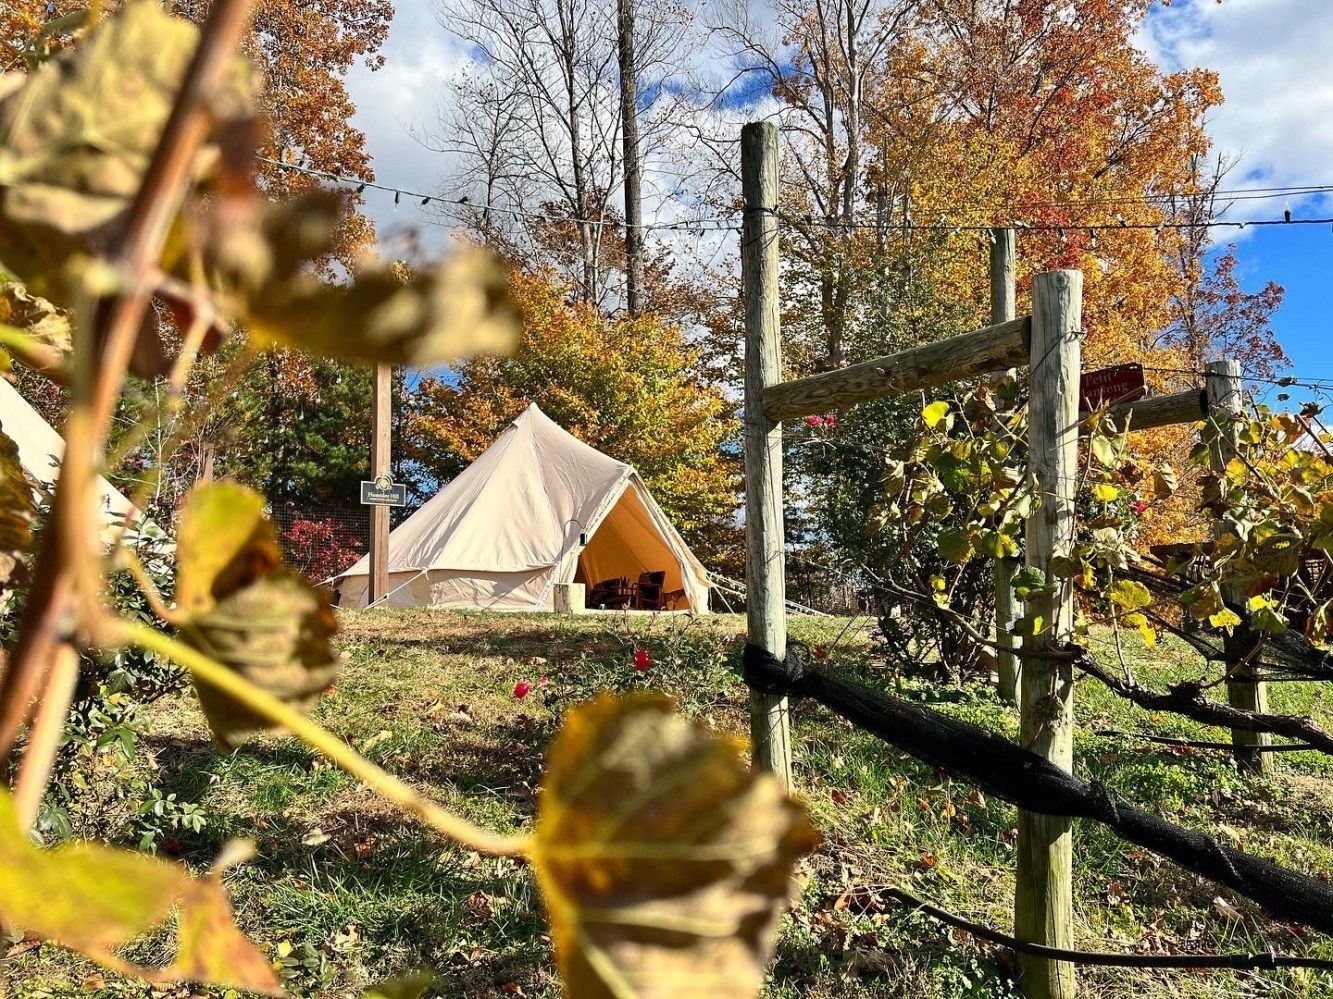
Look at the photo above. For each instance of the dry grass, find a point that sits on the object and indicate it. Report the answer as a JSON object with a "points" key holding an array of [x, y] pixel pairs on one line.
{"points": [[359, 893]]}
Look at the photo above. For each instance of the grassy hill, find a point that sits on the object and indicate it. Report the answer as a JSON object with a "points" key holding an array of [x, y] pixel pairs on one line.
{"points": [[345, 891]]}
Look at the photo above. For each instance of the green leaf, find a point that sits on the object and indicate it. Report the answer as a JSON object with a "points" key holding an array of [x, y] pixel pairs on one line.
{"points": [[1029, 582], [1130, 595], [1203, 600], [1279, 554], [935, 414], [955, 545], [997, 544], [94, 898], [1105, 451], [664, 859], [1266, 615], [276, 632], [959, 475], [225, 543]]}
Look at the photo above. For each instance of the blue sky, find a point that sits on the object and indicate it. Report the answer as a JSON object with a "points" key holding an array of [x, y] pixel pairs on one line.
{"points": [[1273, 57]]}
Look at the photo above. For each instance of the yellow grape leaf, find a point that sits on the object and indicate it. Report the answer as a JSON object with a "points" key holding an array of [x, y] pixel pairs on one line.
{"points": [[665, 862], [77, 137], [212, 948], [276, 632], [17, 507], [1164, 481], [935, 413], [1225, 618], [94, 899], [239, 607], [225, 543], [1130, 595], [1105, 492]]}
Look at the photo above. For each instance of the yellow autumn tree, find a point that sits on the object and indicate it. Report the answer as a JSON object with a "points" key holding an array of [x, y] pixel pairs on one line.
{"points": [[915, 127]]}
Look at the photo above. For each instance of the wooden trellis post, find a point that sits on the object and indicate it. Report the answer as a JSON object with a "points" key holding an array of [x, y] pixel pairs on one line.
{"points": [[1043, 903], [1224, 406], [765, 585], [1003, 308], [381, 427]]}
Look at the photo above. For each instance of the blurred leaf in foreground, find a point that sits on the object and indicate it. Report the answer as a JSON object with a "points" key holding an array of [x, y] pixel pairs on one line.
{"points": [[77, 136], [225, 542], [17, 508], [94, 899], [665, 862], [410, 986], [239, 606]]}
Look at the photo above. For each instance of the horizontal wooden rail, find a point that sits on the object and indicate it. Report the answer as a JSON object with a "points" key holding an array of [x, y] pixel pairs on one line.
{"points": [[1162, 411], [977, 353]]}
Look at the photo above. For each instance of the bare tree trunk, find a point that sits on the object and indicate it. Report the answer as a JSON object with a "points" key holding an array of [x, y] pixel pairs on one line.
{"points": [[569, 67], [629, 131]]}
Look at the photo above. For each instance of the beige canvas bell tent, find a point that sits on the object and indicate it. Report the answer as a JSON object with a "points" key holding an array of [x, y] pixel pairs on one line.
{"points": [[507, 530], [41, 450]]}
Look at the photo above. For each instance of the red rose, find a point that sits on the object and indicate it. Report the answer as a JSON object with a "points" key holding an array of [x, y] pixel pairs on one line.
{"points": [[642, 660], [521, 689]]}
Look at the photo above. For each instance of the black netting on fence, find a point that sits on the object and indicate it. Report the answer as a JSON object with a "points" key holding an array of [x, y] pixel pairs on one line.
{"points": [[1013, 774], [321, 542]]}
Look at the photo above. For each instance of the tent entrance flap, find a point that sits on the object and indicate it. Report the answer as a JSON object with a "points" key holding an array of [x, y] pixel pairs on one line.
{"points": [[628, 543]]}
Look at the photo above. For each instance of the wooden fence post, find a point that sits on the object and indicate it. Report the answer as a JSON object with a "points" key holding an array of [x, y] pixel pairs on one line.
{"points": [[1043, 904], [765, 584], [1224, 406], [381, 426], [1003, 308]]}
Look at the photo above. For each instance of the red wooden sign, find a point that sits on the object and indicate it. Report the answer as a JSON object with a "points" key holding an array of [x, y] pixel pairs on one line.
{"points": [[1122, 383]]}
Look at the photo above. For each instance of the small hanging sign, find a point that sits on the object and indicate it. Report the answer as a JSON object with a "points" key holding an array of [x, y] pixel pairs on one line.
{"points": [[1109, 386], [383, 492]]}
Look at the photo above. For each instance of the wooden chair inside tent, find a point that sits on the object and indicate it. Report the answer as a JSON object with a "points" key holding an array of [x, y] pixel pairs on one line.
{"points": [[613, 594], [650, 595]]}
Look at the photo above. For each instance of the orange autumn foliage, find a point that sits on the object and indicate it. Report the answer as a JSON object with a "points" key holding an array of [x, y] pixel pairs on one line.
{"points": [[1037, 115]]}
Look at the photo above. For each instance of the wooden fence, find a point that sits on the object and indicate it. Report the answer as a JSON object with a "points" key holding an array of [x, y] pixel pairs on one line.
{"points": [[1049, 343]]}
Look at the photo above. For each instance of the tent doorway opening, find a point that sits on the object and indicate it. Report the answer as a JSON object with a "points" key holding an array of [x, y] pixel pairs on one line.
{"points": [[627, 563]]}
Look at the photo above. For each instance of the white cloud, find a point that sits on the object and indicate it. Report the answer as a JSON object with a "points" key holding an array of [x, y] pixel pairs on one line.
{"points": [[1273, 58], [398, 101]]}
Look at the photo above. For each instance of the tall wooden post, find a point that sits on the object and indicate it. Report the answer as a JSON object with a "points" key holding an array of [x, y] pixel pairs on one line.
{"points": [[1003, 307], [381, 426], [1224, 406], [1043, 906], [765, 585]]}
